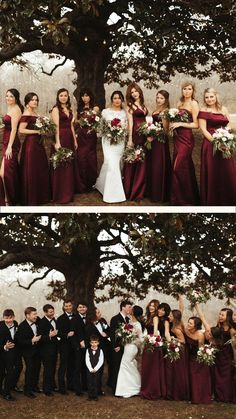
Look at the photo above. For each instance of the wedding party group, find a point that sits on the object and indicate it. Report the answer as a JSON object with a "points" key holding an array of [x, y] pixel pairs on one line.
{"points": [[154, 356], [137, 162]]}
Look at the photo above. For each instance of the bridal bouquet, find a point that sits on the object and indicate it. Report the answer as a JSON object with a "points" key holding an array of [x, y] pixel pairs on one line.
{"points": [[134, 154], [89, 120], [224, 141], [152, 343], [152, 130], [173, 349], [1, 123], [126, 333], [115, 131], [45, 126], [206, 354], [62, 157]]}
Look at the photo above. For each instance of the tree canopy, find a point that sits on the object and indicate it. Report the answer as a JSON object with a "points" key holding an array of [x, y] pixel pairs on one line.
{"points": [[120, 40], [125, 254]]}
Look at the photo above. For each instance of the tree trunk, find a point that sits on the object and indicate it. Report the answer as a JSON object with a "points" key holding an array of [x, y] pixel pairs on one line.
{"points": [[90, 68]]}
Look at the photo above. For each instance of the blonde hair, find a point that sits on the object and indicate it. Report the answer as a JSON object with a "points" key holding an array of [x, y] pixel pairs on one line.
{"points": [[218, 103], [185, 84]]}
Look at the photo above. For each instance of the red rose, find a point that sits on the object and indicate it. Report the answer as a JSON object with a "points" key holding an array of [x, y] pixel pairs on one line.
{"points": [[115, 122]]}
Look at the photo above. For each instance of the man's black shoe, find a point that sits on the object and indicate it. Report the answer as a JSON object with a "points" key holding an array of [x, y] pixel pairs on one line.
{"points": [[9, 398]]}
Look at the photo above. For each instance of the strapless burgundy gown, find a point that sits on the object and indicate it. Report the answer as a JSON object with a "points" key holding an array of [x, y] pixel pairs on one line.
{"points": [[223, 372], [184, 188], [177, 378], [199, 375], [153, 380], [87, 156], [63, 178], [158, 169], [135, 173], [217, 175], [11, 186], [34, 168]]}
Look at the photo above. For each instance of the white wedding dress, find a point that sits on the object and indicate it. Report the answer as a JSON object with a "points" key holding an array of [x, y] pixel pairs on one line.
{"points": [[129, 379], [109, 182]]}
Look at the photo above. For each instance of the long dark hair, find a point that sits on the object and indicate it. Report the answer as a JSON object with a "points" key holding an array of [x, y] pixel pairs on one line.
{"points": [[229, 318], [129, 98], [197, 322], [167, 311], [138, 314], [16, 95], [150, 316], [120, 94], [58, 103], [166, 95], [177, 322], [86, 91], [29, 97]]}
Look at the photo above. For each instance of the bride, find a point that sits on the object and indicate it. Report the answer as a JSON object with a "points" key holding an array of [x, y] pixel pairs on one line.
{"points": [[129, 380], [109, 183]]}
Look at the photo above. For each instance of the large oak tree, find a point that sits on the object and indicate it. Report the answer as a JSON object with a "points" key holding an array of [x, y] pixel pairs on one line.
{"points": [[125, 254], [119, 40]]}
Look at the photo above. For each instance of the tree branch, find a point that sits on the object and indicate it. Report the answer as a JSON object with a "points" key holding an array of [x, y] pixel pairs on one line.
{"points": [[54, 68], [38, 278]]}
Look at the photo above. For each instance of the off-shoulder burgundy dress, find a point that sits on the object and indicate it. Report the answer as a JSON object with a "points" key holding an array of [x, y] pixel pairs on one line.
{"points": [[34, 168], [10, 189], [184, 188], [199, 375], [63, 178], [87, 156], [158, 169], [135, 173], [218, 175]]}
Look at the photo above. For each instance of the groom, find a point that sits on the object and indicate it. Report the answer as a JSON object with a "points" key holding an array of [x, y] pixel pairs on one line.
{"points": [[117, 349]]}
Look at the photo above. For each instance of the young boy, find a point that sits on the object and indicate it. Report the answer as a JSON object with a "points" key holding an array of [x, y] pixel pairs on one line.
{"points": [[94, 360]]}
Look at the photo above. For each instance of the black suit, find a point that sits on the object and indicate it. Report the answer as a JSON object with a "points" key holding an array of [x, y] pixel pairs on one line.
{"points": [[30, 353], [80, 379], [11, 364], [48, 353], [115, 342], [66, 365]]}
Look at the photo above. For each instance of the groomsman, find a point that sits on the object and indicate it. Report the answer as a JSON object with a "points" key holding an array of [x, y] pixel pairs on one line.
{"points": [[8, 354], [65, 334], [117, 349], [29, 340], [78, 342], [48, 348]]}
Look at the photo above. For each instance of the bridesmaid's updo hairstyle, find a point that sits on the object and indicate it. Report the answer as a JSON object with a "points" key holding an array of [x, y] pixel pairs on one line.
{"points": [[211, 90], [16, 95], [185, 84], [197, 322], [29, 97], [86, 91], [120, 94], [58, 103], [166, 95], [130, 100]]}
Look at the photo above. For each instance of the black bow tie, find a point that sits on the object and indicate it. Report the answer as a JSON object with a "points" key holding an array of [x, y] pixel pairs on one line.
{"points": [[97, 322], [52, 320], [12, 327], [31, 324]]}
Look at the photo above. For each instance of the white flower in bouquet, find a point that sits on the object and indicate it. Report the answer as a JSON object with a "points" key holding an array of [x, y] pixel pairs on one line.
{"points": [[225, 141], [206, 354], [1, 123]]}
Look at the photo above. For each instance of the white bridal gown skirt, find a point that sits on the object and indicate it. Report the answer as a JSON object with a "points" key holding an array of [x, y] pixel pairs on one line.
{"points": [[109, 182], [129, 380]]}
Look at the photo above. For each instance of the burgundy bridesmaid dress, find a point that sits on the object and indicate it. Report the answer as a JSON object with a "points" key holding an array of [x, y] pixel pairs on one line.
{"points": [[135, 173], [63, 178], [158, 169], [11, 167], [223, 372], [199, 375], [184, 188], [87, 156], [217, 175], [177, 379], [35, 186], [153, 382]]}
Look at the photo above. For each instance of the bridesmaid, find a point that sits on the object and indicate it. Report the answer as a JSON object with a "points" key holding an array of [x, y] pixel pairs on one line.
{"points": [[151, 376], [63, 178], [215, 189], [158, 158], [9, 171], [135, 173], [35, 186], [199, 374], [87, 142], [184, 189]]}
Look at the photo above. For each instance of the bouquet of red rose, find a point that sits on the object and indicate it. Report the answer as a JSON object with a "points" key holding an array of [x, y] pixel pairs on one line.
{"points": [[173, 349], [62, 157], [134, 154], [89, 120], [206, 354], [152, 130], [115, 131], [126, 333], [152, 343]]}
